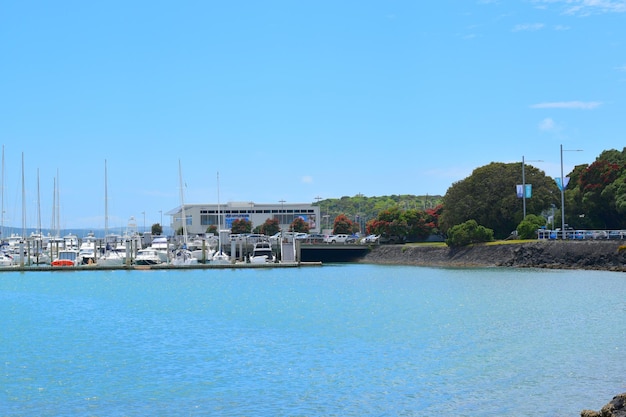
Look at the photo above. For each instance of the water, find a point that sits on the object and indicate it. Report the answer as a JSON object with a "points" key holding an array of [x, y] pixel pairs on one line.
{"points": [[337, 340]]}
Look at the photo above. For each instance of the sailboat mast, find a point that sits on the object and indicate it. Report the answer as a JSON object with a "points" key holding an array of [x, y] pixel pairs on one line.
{"points": [[38, 206], [182, 202], [106, 202], [2, 208], [23, 201], [58, 210]]}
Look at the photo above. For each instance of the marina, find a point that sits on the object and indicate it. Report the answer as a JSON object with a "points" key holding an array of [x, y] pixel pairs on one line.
{"points": [[161, 253]]}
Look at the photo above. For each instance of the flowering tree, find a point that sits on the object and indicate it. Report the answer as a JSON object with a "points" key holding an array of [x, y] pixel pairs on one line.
{"points": [[299, 225], [342, 225], [241, 226]]}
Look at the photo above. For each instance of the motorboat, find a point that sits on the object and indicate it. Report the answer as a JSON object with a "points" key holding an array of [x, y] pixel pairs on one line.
{"points": [[87, 249], [66, 258], [183, 256], [6, 260], [150, 256], [262, 253], [155, 254]]}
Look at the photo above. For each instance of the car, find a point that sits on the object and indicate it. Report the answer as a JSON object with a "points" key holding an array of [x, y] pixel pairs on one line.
{"points": [[370, 239], [315, 238], [339, 238], [351, 239]]}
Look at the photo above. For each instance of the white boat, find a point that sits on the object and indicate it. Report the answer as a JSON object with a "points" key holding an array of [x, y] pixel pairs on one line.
{"points": [[182, 256], [202, 248], [109, 254], [262, 253], [155, 254], [150, 256], [6, 260], [87, 249], [219, 257], [66, 258]]}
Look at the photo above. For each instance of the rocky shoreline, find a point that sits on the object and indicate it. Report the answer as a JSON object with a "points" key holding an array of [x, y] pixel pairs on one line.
{"points": [[615, 408], [593, 254]]}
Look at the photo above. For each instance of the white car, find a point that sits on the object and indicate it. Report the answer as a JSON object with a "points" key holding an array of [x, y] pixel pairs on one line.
{"points": [[370, 239], [340, 238]]}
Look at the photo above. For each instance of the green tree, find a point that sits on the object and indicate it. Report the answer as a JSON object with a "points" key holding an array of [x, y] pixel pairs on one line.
{"points": [[156, 229], [489, 196], [527, 229], [467, 233], [241, 226], [212, 229]]}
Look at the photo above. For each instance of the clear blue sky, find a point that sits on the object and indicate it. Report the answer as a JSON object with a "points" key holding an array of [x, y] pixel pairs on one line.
{"points": [[294, 100]]}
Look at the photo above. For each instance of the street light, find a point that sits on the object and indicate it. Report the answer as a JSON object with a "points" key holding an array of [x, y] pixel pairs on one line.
{"points": [[524, 184], [282, 212], [563, 190]]}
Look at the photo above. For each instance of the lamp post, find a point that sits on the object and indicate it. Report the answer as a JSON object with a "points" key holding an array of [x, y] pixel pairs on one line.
{"points": [[563, 190], [524, 184], [282, 213]]}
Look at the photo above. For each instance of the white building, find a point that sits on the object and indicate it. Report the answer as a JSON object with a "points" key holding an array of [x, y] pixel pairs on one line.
{"points": [[201, 216]]}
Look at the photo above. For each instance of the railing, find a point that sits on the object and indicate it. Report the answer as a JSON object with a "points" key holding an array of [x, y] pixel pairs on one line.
{"points": [[582, 234]]}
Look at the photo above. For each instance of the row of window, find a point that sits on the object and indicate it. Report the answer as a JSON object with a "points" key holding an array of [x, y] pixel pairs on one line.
{"points": [[268, 211]]}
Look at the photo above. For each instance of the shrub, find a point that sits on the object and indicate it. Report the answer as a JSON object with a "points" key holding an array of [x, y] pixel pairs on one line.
{"points": [[527, 229], [467, 233]]}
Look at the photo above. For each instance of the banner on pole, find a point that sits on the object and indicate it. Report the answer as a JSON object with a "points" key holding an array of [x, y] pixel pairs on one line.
{"points": [[520, 190], [558, 182]]}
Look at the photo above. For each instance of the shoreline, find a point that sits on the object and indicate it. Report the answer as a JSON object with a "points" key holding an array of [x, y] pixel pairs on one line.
{"points": [[592, 255]]}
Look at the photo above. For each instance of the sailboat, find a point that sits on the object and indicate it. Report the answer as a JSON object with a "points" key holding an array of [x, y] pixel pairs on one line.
{"points": [[182, 255], [39, 255], [110, 256], [219, 257]]}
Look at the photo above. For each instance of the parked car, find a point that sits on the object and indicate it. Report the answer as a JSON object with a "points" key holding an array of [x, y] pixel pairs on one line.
{"points": [[370, 239], [314, 238], [340, 238]]}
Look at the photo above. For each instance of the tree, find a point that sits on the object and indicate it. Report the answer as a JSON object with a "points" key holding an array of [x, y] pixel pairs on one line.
{"points": [[489, 196], [342, 225], [467, 233], [156, 229], [270, 227], [299, 225], [212, 229], [241, 226], [527, 229], [597, 197]]}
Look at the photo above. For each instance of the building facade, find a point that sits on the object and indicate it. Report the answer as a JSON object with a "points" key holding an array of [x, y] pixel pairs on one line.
{"points": [[200, 216]]}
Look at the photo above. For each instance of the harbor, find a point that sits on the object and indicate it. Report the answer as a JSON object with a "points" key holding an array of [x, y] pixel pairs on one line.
{"points": [[144, 252]]}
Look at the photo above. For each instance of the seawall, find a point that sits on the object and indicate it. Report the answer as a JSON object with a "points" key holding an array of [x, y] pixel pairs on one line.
{"points": [[599, 255]]}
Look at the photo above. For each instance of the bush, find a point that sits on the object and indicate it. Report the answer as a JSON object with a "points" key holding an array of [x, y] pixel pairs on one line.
{"points": [[467, 233], [527, 229]]}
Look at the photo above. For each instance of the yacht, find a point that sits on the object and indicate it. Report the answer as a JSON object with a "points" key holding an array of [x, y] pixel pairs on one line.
{"points": [[87, 249], [67, 258], [262, 253], [155, 254]]}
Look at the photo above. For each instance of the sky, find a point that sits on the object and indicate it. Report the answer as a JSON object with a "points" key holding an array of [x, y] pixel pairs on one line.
{"points": [[263, 101]]}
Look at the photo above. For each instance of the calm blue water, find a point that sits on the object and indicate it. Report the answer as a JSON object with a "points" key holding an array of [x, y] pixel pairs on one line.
{"points": [[337, 340]]}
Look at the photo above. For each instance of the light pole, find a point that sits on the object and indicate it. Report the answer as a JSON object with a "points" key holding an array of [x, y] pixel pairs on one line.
{"points": [[563, 190], [144, 221], [524, 184], [161, 224], [282, 213]]}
